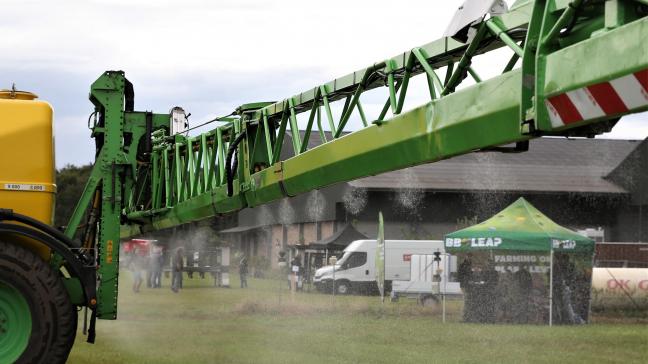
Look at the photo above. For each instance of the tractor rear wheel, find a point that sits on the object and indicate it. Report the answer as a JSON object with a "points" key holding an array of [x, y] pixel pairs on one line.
{"points": [[37, 320]]}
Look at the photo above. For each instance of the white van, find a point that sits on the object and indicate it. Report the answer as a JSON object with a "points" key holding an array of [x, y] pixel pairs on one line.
{"points": [[356, 271]]}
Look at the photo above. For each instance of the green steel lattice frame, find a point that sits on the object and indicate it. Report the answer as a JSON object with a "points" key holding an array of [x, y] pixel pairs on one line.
{"points": [[181, 178]]}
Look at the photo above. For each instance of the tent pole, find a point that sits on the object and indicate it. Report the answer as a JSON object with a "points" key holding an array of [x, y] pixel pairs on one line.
{"points": [[551, 259], [446, 270]]}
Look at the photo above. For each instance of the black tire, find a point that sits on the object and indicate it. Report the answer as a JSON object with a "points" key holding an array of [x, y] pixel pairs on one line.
{"points": [[342, 287], [54, 318], [429, 301], [325, 286]]}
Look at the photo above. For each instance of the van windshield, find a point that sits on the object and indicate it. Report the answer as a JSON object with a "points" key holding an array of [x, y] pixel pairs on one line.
{"points": [[353, 259], [344, 258]]}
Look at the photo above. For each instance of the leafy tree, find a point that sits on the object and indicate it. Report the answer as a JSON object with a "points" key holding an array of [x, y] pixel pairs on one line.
{"points": [[70, 181]]}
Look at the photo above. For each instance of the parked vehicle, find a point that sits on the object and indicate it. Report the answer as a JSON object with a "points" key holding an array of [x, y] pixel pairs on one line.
{"points": [[356, 270], [431, 277]]}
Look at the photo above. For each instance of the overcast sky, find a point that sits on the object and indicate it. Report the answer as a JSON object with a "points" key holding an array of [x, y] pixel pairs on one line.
{"points": [[208, 56]]}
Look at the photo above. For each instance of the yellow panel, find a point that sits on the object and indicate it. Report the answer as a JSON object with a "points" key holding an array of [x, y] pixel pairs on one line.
{"points": [[27, 174]]}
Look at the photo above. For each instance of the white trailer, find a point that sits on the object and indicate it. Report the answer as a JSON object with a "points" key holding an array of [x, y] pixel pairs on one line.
{"points": [[430, 278]]}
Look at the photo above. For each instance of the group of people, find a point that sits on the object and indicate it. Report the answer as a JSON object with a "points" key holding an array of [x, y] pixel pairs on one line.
{"points": [[491, 297], [295, 274], [146, 265], [515, 296], [508, 295], [478, 284]]}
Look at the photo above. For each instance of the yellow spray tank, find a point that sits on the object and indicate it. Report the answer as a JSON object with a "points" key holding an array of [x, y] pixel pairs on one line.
{"points": [[27, 171]]}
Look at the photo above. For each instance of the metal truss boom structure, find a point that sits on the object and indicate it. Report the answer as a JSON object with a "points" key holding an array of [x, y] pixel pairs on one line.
{"points": [[576, 68]]}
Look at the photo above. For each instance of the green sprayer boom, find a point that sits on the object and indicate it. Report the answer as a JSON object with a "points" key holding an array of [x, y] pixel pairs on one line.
{"points": [[577, 67]]}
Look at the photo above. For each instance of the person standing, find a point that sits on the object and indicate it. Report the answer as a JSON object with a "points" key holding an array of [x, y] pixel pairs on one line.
{"points": [[523, 284], [136, 265], [563, 280], [507, 296], [243, 272], [489, 293], [295, 273], [146, 261], [465, 277], [177, 266], [155, 262]]}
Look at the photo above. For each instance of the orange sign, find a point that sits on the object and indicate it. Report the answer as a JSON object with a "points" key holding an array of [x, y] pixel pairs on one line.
{"points": [[109, 251]]}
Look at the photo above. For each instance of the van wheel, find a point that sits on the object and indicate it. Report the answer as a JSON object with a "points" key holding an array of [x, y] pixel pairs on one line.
{"points": [[342, 287], [37, 320]]}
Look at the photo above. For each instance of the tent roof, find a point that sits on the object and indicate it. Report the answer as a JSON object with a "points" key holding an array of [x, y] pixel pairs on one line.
{"points": [[520, 226], [340, 239]]}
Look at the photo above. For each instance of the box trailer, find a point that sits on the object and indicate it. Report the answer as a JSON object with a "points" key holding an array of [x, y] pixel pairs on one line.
{"points": [[430, 278]]}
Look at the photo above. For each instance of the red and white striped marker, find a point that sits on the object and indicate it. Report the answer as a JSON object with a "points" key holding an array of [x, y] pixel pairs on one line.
{"points": [[606, 98]]}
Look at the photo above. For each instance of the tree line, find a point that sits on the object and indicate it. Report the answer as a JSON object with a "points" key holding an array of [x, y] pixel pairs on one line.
{"points": [[70, 181]]}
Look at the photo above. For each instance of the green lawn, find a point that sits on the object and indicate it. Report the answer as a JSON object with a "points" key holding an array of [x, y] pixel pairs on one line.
{"points": [[202, 324]]}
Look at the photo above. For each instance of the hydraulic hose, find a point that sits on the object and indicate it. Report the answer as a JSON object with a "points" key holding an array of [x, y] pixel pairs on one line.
{"points": [[229, 169]]}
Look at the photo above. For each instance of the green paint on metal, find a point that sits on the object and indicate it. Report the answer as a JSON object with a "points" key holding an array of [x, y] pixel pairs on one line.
{"points": [[113, 176], [280, 137], [327, 107], [15, 323], [363, 117], [390, 101], [560, 76], [457, 75], [182, 179], [75, 291], [309, 125], [294, 129], [562, 21], [266, 130], [494, 26], [474, 75], [392, 87], [432, 78], [440, 129]]}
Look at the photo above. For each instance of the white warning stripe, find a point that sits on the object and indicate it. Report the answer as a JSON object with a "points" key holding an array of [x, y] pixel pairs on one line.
{"points": [[585, 103], [630, 91], [556, 120]]}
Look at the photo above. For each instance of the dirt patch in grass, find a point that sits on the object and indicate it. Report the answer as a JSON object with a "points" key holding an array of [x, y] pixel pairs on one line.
{"points": [[288, 308]]}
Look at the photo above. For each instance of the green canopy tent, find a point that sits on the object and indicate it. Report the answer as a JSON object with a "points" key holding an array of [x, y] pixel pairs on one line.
{"points": [[521, 237]]}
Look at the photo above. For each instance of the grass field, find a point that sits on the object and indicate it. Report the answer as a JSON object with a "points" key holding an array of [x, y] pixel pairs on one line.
{"points": [[258, 325]]}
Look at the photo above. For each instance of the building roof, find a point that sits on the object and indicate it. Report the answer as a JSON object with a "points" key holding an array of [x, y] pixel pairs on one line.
{"points": [[631, 174], [340, 239], [240, 229], [550, 165]]}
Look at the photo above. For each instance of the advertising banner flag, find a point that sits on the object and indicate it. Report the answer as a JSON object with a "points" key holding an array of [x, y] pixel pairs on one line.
{"points": [[380, 257]]}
